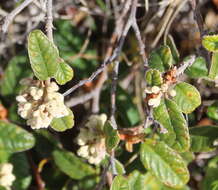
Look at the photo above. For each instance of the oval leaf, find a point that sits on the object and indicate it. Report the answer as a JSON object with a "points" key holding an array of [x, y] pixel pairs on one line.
{"points": [[64, 73], [210, 42], [169, 115], [111, 135], [161, 59], [202, 138], [212, 111], [63, 123], [187, 97], [14, 139], [153, 77], [198, 68], [213, 73], [165, 163], [16, 69], [43, 55], [120, 183], [71, 165]]}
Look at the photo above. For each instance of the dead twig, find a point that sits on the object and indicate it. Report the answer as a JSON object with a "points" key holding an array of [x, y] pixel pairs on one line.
{"points": [[49, 21], [10, 17]]}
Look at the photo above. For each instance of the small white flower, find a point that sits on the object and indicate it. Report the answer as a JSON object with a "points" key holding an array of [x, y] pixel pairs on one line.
{"points": [[40, 108], [164, 87], [6, 175], [92, 140], [155, 89], [172, 93], [155, 102], [21, 99]]}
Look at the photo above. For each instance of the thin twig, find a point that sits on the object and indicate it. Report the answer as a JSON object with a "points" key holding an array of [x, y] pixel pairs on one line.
{"points": [[49, 21], [10, 17], [101, 184], [40, 183], [97, 92], [113, 93]]}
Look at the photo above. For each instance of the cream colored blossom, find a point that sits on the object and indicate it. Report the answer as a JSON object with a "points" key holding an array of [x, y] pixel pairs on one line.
{"points": [[159, 92], [155, 102], [91, 139], [6, 175], [39, 103]]}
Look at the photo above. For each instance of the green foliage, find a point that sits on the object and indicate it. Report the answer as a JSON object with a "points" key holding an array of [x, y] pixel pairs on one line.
{"points": [[211, 177], [161, 59], [21, 171], [153, 77], [43, 55], [165, 163], [175, 53], [63, 123], [169, 115], [120, 183], [202, 138], [127, 112], [71, 165], [210, 42], [213, 72], [16, 69], [14, 139], [147, 181], [64, 73], [198, 68], [212, 111], [69, 42], [187, 97], [112, 138]]}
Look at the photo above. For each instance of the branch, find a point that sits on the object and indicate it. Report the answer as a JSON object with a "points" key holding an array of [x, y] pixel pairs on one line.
{"points": [[49, 21], [10, 17]]}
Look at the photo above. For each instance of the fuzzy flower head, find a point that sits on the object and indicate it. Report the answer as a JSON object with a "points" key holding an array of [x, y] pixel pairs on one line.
{"points": [[91, 139], [39, 103], [155, 93], [6, 175]]}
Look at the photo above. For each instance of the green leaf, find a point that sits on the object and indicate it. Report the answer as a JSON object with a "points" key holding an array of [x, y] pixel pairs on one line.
{"points": [[119, 167], [71, 165], [213, 72], [202, 138], [4, 156], [111, 136], [63, 123], [21, 170], [169, 115], [165, 163], [212, 111], [187, 97], [153, 77], [187, 156], [174, 50], [64, 73], [139, 181], [211, 178], [120, 183], [210, 42], [43, 55], [198, 68], [161, 59], [14, 138], [16, 69]]}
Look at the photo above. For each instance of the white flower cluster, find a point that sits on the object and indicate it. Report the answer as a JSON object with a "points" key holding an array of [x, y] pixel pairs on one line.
{"points": [[6, 176], [39, 103], [157, 93], [92, 140]]}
